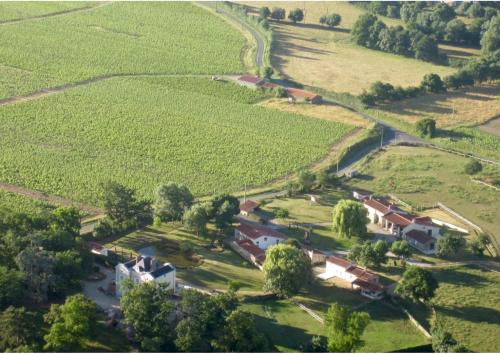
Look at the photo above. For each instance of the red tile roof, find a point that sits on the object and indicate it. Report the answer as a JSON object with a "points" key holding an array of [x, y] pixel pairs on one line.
{"points": [[419, 236], [371, 286], [270, 85], [254, 231], [424, 220], [399, 219], [363, 274], [251, 248], [378, 205], [248, 206], [301, 93], [249, 78], [341, 262]]}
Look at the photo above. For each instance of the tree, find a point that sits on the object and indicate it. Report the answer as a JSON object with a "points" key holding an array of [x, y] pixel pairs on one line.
{"points": [[432, 83], [278, 13], [195, 219], [472, 167], [296, 15], [331, 20], [121, 205], [475, 10], [426, 127], [443, 341], [449, 245], [66, 220], [12, 287], [281, 213], [369, 254], [490, 42], [268, 72], [361, 29], [350, 218], [417, 284], [171, 201], [306, 180], [286, 270], [223, 209], [456, 31], [70, 324], [344, 328], [293, 242], [264, 12], [280, 92], [38, 265], [426, 48], [69, 269], [401, 248], [326, 179], [380, 249], [241, 335], [149, 310], [20, 330]]}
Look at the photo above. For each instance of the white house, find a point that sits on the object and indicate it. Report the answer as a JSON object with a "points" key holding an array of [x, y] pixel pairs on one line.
{"points": [[261, 236], [420, 232], [359, 278], [143, 269]]}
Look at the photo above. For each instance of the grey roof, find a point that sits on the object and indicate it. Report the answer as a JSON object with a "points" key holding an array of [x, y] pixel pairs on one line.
{"points": [[132, 262], [167, 268]]}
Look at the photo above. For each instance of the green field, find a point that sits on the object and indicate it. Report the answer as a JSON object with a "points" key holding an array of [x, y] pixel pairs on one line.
{"points": [[15, 10], [467, 302], [131, 37], [22, 204], [144, 131], [423, 177]]}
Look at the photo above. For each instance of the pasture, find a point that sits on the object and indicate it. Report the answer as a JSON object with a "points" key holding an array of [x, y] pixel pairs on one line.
{"points": [[142, 132], [119, 38], [467, 302], [316, 56], [423, 177]]}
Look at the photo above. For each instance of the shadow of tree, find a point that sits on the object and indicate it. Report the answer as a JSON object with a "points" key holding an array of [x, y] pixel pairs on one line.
{"points": [[477, 314]]}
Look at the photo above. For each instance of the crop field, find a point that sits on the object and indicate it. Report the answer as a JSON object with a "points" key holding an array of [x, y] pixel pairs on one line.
{"points": [[145, 131], [467, 106], [10, 10], [316, 56], [22, 204], [421, 176], [472, 314], [119, 38]]}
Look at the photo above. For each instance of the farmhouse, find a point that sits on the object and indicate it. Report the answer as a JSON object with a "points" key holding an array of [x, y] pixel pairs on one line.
{"points": [[144, 269], [250, 81], [420, 232], [249, 251], [261, 236], [303, 96], [359, 278], [248, 207]]}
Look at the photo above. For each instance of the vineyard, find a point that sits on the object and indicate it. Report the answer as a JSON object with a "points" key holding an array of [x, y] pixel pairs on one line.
{"points": [[11, 10], [145, 131], [471, 140], [131, 37], [19, 203]]}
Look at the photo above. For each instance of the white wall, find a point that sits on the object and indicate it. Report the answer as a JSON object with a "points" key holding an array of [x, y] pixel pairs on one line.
{"points": [[339, 272], [424, 228], [264, 242]]}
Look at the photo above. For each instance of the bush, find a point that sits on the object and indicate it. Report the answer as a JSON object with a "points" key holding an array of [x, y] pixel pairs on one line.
{"points": [[426, 127], [281, 213], [278, 13], [296, 15], [331, 20], [433, 83], [472, 167], [186, 249], [103, 229]]}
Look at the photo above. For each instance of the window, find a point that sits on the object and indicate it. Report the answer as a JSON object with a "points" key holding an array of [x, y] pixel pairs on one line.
{"points": [[429, 232]]}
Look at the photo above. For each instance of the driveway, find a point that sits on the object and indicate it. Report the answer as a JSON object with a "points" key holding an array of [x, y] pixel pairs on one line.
{"points": [[102, 300], [380, 233]]}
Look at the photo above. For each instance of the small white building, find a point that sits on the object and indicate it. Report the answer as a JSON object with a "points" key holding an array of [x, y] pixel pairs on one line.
{"points": [[359, 278], [261, 236], [248, 207], [144, 269]]}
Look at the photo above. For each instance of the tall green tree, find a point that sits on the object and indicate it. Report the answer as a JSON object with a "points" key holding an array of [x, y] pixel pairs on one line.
{"points": [[306, 180], [417, 284], [224, 208], [12, 287], [443, 341], [66, 220], [345, 328], [149, 310], [350, 218], [171, 201], [122, 206], [401, 248], [20, 330], [286, 270], [195, 219], [432, 83], [70, 324], [278, 13], [264, 12], [449, 245]]}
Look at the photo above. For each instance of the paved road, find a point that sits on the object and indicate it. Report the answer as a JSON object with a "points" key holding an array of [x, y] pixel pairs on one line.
{"points": [[259, 53]]}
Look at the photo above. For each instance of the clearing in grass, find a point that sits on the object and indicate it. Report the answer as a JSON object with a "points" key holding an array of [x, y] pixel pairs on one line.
{"points": [[423, 177], [120, 38], [142, 132]]}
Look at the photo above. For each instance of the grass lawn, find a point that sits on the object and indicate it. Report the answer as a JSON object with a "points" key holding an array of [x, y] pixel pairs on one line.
{"points": [[145, 131], [421, 176], [467, 301], [209, 268], [316, 56], [322, 237]]}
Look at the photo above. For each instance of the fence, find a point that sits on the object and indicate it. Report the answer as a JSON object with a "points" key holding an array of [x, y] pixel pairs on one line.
{"points": [[485, 184]]}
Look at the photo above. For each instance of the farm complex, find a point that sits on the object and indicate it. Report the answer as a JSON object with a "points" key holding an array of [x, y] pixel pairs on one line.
{"points": [[249, 176]]}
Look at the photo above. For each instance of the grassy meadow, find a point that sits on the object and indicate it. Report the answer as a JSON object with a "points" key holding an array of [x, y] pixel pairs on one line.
{"points": [[316, 56], [421, 176], [119, 38], [145, 131]]}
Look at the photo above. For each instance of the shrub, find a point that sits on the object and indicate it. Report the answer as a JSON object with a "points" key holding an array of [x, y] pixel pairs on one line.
{"points": [[432, 83], [281, 213], [472, 167], [426, 127], [186, 249]]}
